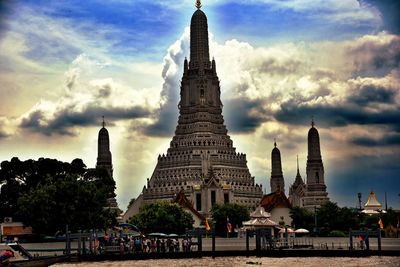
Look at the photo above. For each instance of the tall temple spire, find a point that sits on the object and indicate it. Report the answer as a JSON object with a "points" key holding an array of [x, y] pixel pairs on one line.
{"points": [[298, 171], [199, 49], [316, 188], [104, 159], [277, 182]]}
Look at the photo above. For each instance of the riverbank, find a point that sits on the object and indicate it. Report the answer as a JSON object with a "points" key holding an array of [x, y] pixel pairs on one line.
{"points": [[244, 261]]}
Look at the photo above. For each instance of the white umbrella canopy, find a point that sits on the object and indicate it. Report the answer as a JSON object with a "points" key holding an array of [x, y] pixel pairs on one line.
{"points": [[289, 230], [370, 211], [301, 231]]}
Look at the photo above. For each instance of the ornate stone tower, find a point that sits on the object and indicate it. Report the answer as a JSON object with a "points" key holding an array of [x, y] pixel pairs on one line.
{"points": [[103, 153], [297, 190], [201, 158], [316, 188], [277, 182]]}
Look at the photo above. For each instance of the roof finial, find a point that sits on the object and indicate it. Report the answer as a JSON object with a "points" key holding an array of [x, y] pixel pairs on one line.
{"points": [[104, 123], [297, 163], [275, 142], [198, 4], [312, 121]]}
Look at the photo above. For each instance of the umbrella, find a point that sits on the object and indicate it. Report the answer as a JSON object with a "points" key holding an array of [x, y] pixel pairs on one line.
{"points": [[289, 230], [128, 225], [172, 235], [301, 231], [157, 234]]}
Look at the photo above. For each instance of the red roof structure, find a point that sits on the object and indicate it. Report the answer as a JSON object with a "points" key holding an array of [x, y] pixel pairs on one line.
{"points": [[275, 200], [184, 202]]}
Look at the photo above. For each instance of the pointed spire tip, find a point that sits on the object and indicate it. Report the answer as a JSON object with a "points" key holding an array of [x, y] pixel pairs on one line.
{"points": [[198, 4]]}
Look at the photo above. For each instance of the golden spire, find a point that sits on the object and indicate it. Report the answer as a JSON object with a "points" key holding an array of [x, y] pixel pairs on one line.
{"points": [[198, 4]]}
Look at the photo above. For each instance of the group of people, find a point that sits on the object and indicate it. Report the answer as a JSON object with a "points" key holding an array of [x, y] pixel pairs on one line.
{"points": [[130, 244], [5, 256]]}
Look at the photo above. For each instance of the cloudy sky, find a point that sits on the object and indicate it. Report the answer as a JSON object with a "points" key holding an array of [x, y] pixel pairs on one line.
{"points": [[65, 64]]}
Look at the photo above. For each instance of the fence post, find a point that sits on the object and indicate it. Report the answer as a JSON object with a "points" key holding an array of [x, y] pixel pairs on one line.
{"points": [[199, 241], [79, 242], [213, 242], [67, 242], [351, 239], [379, 240], [247, 242], [91, 242]]}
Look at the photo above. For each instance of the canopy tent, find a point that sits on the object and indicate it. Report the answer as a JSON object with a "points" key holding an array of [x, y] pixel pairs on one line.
{"points": [[373, 206], [259, 219], [259, 223]]}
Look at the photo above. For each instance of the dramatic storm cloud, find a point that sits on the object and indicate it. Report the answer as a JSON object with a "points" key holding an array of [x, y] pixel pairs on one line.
{"points": [[84, 102]]}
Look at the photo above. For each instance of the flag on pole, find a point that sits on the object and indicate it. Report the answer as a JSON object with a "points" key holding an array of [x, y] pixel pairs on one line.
{"points": [[228, 225], [208, 228], [380, 223]]}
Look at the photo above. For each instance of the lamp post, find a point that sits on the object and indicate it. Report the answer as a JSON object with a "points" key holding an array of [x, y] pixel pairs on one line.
{"points": [[359, 200], [315, 220]]}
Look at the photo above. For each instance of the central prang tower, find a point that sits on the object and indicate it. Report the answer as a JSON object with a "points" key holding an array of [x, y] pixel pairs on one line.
{"points": [[201, 159]]}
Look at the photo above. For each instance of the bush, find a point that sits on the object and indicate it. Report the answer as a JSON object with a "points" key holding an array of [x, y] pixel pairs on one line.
{"points": [[336, 233]]}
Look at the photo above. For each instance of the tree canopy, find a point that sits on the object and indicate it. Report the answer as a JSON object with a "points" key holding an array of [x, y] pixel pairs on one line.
{"points": [[236, 214], [163, 217], [47, 194], [331, 217]]}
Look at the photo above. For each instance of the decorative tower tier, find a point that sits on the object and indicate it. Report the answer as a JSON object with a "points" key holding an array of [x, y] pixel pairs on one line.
{"points": [[316, 189], [201, 158], [297, 190]]}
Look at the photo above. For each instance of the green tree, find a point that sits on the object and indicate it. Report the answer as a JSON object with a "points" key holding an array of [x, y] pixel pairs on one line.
{"points": [[302, 218], [163, 217], [47, 194], [237, 214], [78, 203]]}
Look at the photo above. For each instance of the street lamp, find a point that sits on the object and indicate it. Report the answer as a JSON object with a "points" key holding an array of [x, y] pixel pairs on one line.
{"points": [[315, 220]]}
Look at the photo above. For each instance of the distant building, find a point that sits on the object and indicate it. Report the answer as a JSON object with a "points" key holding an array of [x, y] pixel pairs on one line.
{"points": [[10, 230], [278, 205]]}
